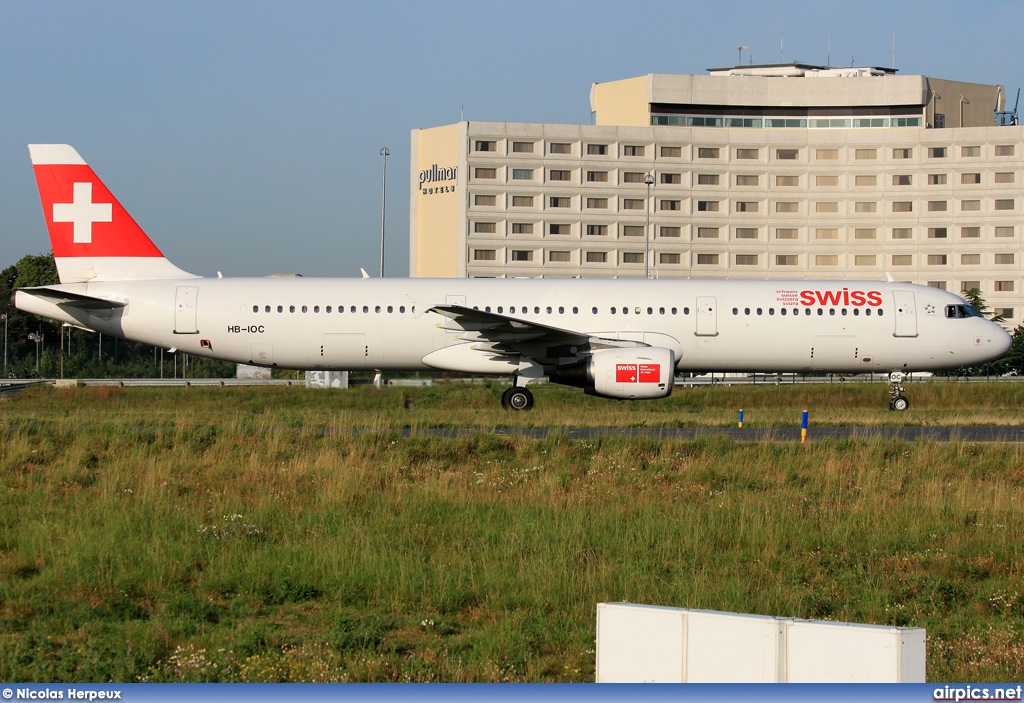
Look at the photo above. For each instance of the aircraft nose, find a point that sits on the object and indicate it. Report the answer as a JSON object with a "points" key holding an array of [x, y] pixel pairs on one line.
{"points": [[1001, 341]]}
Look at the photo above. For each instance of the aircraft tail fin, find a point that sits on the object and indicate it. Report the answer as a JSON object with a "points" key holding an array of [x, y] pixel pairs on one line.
{"points": [[92, 235]]}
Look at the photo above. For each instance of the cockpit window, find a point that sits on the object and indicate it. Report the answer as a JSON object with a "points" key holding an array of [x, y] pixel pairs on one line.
{"points": [[961, 311]]}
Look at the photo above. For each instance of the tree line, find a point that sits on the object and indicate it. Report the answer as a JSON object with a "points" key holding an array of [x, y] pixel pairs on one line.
{"points": [[37, 347]]}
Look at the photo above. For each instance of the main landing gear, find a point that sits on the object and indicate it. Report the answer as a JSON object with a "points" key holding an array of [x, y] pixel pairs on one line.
{"points": [[898, 401], [517, 398]]}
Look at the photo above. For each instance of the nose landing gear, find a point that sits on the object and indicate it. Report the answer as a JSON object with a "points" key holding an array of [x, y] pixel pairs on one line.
{"points": [[897, 400]]}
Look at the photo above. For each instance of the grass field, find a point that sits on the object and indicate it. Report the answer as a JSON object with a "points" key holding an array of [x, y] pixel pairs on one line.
{"points": [[244, 534]]}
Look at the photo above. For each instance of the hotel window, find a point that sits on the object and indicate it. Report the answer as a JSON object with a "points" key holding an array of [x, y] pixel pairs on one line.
{"points": [[1004, 258], [522, 174], [1004, 177], [1004, 204], [484, 199], [902, 259], [826, 260], [671, 178], [747, 153], [903, 180], [970, 232], [787, 180], [865, 180], [522, 147], [597, 149], [941, 285], [787, 260], [970, 178], [786, 154], [632, 177], [522, 201], [937, 259], [903, 206], [826, 181], [787, 207], [482, 145], [970, 259], [937, 233], [597, 176], [597, 203], [936, 206], [937, 152], [671, 152], [485, 173], [707, 152], [707, 233], [785, 233], [560, 257], [632, 257], [484, 227], [632, 204], [559, 229], [597, 230], [862, 154], [633, 150], [1004, 149], [1004, 231], [864, 260], [936, 179], [826, 234], [666, 231], [483, 255], [970, 285], [522, 228], [707, 259], [1007, 313], [1003, 286], [902, 233], [746, 233], [902, 153], [826, 154], [667, 258], [597, 257], [559, 202], [826, 207], [865, 207], [522, 255], [707, 206], [746, 206], [669, 204], [559, 175], [746, 259], [559, 148], [970, 205], [970, 151], [864, 234], [632, 230], [707, 179]]}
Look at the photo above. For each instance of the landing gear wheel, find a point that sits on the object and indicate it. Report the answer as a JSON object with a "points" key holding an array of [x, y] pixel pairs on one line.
{"points": [[517, 398], [899, 403]]}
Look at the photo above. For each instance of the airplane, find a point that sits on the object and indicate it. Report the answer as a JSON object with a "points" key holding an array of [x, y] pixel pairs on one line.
{"points": [[620, 338]]}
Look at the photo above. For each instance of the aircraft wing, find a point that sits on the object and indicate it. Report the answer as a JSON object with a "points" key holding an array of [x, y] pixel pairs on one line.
{"points": [[515, 334], [74, 300]]}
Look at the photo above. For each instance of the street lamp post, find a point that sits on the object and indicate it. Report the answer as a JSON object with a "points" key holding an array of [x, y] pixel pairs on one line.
{"points": [[383, 201], [4, 315], [649, 180], [37, 338]]}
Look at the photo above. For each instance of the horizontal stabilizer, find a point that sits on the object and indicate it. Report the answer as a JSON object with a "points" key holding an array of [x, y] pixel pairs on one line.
{"points": [[74, 300]]}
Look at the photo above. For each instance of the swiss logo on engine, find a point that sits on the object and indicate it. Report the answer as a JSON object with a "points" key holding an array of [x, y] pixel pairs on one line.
{"points": [[637, 373]]}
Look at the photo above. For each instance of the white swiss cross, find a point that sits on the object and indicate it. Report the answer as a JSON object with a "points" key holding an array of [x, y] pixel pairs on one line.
{"points": [[83, 212]]}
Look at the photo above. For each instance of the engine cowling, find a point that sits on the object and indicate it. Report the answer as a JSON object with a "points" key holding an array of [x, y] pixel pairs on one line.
{"points": [[633, 373]]}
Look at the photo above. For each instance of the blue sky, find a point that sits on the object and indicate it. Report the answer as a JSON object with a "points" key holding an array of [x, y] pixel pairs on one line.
{"points": [[245, 136]]}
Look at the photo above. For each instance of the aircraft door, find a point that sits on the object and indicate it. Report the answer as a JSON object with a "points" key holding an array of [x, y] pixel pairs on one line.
{"points": [[185, 310], [906, 313], [707, 316]]}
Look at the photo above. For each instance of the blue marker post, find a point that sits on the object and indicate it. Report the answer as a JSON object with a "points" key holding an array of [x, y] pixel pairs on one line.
{"points": [[803, 428], [741, 418]]}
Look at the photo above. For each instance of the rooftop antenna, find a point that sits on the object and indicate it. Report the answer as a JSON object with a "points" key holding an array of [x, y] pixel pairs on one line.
{"points": [[781, 60], [828, 53], [894, 50], [462, 113], [739, 59]]}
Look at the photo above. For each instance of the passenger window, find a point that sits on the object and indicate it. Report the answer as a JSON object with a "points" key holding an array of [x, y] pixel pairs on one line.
{"points": [[255, 308], [291, 308], [304, 308], [820, 312], [735, 311], [500, 309], [401, 308], [366, 308], [390, 309], [782, 311], [593, 310], [661, 311], [376, 308], [746, 311], [879, 312], [759, 311], [561, 310], [316, 308], [832, 312], [575, 310]]}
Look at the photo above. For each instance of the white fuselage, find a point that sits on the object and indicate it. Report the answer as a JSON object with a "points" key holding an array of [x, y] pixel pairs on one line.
{"points": [[386, 324]]}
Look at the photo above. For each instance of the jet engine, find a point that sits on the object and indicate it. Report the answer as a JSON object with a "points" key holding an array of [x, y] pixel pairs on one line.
{"points": [[625, 373]]}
